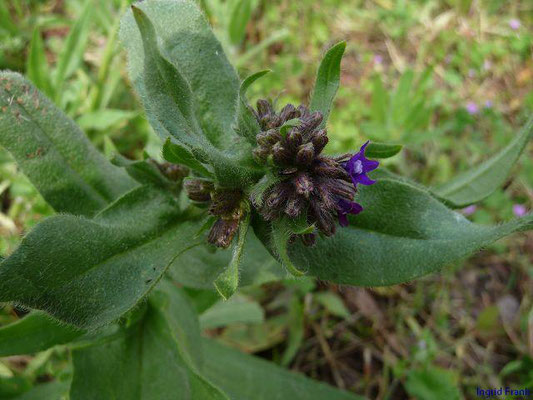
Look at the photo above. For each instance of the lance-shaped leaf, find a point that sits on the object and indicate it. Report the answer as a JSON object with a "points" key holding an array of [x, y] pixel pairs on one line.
{"points": [[244, 377], [168, 95], [246, 124], [146, 362], [327, 81], [189, 44], [53, 153], [382, 150], [403, 233], [33, 333], [240, 15], [479, 182], [90, 272]]}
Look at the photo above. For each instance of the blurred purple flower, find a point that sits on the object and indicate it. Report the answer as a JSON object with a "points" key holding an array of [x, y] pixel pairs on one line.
{"points": [[469, 210], [472, 108], [519, 210], [378, 59], [471, 73], [488, 104], [515, 24]]}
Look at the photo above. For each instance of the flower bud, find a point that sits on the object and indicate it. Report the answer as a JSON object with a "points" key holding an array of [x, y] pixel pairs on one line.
{"points": [[294, 206], [303, 184], [294, 138], [222, 232], [226, 203], [281, 154], [312, 122], [199, 189], [306, 154], [288, 112], [319, 140], [264, 108]]}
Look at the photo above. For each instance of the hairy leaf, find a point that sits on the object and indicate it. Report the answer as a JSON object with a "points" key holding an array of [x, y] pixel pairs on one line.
{"points": [[246, 124], [90, 272], [53, 153], [190, 46], [178, 154], [33, 333], [146, 362], [168, 94], [244, 377], [479, 182], [403, 233], [327, 81]]}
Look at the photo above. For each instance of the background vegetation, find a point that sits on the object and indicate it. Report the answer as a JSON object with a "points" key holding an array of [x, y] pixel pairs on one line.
{"points": [[453, 80]]}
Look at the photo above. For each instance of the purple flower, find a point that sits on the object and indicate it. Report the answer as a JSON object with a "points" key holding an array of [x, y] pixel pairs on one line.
{"points": [[469, 210], [515, 24], [357, 167], [346, 207], [378, 59], [472, 108], [519, 210], [488, 104]]}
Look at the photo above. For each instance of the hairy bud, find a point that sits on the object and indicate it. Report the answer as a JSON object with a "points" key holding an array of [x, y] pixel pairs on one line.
{"points": [[199, 189]]}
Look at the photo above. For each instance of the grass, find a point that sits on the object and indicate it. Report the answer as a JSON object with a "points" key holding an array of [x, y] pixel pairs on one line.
{"points": [[451, 79]]}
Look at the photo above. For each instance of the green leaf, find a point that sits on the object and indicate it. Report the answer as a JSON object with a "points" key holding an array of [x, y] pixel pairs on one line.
{"points": [[37, 66], [178, 154], [146, 172], [71, 54], [46, 391], [382, 150], [479, 182], [240, 15], [53, 153], [246, 124], [244, 377], [228, 281], [145, 363], [200, 266], [281, 233], [403, 233], [33, 333], [327, 81], [189, 44], [433, 383], [102, 120], [288, 125], [168, 94], [90, 272], [237, 310]]}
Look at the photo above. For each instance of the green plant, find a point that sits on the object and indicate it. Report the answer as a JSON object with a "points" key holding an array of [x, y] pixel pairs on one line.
{"points": [[107, 275]]}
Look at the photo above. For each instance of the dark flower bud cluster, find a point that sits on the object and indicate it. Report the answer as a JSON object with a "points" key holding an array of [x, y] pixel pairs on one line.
{"points": [[313, 185], [225, 204]]}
